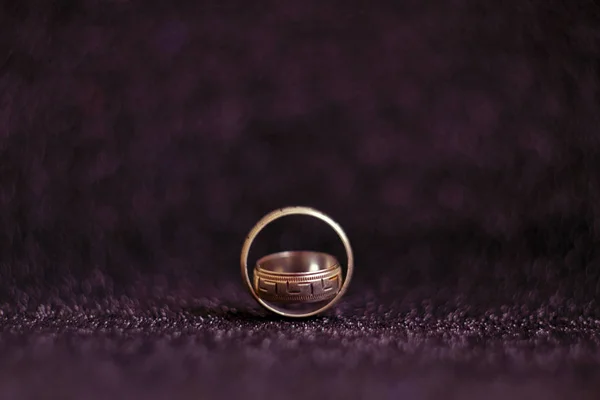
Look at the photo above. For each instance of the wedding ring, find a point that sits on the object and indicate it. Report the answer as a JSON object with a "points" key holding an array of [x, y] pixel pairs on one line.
{"points": [[297, 283], [297, 277]]}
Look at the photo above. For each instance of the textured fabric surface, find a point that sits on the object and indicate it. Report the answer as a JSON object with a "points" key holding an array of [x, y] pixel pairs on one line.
{"points": [[223, 346], [455, 141]]}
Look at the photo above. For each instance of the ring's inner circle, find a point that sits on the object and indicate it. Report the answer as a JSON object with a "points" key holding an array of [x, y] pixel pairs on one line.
{"points": [[295, 262]]}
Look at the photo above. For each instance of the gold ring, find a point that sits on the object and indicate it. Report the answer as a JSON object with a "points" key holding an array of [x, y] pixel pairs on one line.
{"points": [[297, 272]]}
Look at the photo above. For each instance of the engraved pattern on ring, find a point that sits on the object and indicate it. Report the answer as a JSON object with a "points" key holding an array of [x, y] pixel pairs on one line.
{"points": [[319, 286]]}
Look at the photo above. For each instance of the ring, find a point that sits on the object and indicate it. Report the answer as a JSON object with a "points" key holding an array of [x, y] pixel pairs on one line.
{"points": [[297, 276], [285, 278]]}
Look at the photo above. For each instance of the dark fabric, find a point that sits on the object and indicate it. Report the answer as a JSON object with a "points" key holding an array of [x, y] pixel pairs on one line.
{"points": [[220, 345], [455, 141]]}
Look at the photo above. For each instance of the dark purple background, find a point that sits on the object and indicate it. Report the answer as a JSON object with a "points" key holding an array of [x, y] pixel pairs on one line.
{"points": [[456, 142]]}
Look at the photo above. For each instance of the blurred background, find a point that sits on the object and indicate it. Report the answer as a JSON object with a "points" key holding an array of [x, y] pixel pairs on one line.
{"points": [[456, 142], [150, 137]]}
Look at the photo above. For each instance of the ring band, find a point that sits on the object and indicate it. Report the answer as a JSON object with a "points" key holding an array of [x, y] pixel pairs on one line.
{"points": [[297, 276], [279, 213]]}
